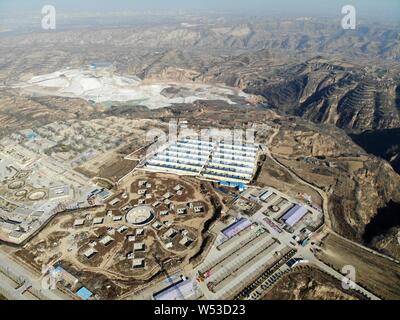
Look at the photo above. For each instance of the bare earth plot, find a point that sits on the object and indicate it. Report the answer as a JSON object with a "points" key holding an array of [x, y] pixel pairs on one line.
{"points": [[311, 284], [274, 176], [373, 272], [101, 253]]}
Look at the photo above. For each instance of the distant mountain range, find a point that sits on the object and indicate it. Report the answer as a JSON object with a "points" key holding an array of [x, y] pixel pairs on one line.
{"points": [[228, 33], [328, 91], [310, 68]]}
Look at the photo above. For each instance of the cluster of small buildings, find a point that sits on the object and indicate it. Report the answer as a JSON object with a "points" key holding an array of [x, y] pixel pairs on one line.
{"points": [[169, 236], [38, 183], [281, 209], [18, 227], [82, 140], [138, 262], [88, 219], [166, 199], [107, 239], [284, 214]]}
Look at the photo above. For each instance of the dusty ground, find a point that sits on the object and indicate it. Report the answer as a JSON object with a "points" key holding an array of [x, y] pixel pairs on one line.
{"points": [[110, 166], [389, 243], [375, 273], [274, 176], [194, 191], [310, 284], [61, 242]]}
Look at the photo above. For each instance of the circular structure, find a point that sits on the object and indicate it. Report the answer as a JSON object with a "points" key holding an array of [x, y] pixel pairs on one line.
{"points": [[274, 208], [36, 195], [18, 184], [140, 215], [21, 193]]}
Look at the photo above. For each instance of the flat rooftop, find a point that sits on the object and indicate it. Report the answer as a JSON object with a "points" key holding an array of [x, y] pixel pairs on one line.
{"points": [[217, 161]]}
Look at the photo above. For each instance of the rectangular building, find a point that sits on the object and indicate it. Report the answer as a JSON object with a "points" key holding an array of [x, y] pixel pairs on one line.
{"points": [[181, 290], [293, 215], [210, 160], [236, 227]]}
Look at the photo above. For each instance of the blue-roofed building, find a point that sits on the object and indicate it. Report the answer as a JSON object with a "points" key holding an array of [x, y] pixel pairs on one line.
{"points": [[63, 275], [236, 227], [225, 183], [293, 262], [239, 185], [58, 269], [104, 194], [181, 290], [29, 134], [304, 242], [84, 293], [294, 214]]}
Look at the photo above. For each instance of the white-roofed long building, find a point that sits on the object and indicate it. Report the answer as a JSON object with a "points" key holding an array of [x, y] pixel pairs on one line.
{"points": [[217, 161]]}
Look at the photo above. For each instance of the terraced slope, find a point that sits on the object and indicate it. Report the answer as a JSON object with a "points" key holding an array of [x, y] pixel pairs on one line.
{"points": [[329, 92]]}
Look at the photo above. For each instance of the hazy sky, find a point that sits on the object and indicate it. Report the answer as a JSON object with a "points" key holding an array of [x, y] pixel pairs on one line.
{"points": [[377, 8]]}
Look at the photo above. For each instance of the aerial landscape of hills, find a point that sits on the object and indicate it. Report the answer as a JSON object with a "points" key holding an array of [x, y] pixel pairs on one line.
{"points": [[324, 101]]}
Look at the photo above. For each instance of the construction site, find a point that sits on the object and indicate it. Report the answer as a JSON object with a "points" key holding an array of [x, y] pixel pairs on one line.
{"points": [[155, 219]]}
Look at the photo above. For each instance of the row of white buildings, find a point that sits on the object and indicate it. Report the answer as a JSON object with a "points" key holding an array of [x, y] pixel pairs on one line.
{"points": [[218, 161]]}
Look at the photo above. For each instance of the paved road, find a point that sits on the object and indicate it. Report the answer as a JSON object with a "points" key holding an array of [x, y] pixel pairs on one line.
{"points": [[8, 289], [325, 198], [31, 280], [299, 179], [306, 253], [365, 248]]}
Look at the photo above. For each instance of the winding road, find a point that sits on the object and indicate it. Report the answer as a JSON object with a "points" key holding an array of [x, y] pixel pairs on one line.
{"points": [[327, 227]]}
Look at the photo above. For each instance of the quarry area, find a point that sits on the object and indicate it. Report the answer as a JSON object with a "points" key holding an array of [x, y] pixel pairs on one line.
{"points": [[102, 84]]}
